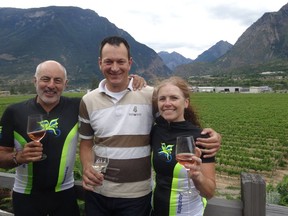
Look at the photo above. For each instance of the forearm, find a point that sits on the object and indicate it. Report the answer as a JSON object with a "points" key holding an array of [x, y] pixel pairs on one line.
{"points": [[205, 182], [8, 158], [205, 186], [86, 152], [89, 180]]}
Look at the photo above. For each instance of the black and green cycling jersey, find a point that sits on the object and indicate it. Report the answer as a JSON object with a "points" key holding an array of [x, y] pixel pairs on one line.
{"points": [[55, 173], [169, 177]]}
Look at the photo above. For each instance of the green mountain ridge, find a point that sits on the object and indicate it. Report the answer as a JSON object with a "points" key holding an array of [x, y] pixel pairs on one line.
{"points": [[69, 35], [72, 36]]}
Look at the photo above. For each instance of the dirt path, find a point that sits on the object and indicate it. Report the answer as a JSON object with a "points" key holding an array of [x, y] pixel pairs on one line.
{"points": [[230, 187]]}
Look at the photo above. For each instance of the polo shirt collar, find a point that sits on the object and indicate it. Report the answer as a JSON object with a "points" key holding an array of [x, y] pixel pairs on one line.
{"points": [[103, 82]]}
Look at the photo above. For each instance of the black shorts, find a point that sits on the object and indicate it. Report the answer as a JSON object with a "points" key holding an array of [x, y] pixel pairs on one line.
{"points": [[53, 203], [96, 204]]}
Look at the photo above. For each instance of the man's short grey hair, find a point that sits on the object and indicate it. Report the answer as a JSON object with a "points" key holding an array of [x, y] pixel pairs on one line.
{"points": [[38, 68]]}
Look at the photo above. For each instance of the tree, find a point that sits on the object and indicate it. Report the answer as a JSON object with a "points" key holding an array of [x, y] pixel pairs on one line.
{"points": [[94, 83]]}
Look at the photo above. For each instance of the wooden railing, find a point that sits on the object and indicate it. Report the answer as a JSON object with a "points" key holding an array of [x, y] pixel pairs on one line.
{"points": [[252, 203]]}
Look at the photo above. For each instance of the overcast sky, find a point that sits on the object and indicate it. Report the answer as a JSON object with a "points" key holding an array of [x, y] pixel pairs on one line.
{"points": [[188, 27]]}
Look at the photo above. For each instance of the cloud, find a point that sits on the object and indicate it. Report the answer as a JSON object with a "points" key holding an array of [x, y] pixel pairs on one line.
{"points": [[188, 27], [242, 15]]}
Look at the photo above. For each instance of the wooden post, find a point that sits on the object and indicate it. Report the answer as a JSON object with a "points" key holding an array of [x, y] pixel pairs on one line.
{"points": [[253, 194]]}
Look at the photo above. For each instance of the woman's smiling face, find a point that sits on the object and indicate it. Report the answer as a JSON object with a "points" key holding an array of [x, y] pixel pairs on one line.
{"points": [[171, 103]]}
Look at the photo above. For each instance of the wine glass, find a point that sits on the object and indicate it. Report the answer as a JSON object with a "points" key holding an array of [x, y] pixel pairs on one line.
{"points": [[35, 129], [100, 158], [185, 149]]}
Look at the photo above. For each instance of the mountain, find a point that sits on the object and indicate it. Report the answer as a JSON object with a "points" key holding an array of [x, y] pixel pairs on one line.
{"points": [[262, 47], [69, 35], [215, 52], [173, 59], [264, 41]]}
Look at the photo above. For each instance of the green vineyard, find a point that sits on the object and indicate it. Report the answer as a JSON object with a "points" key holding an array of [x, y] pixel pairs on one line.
{"points": [[254, 129]]}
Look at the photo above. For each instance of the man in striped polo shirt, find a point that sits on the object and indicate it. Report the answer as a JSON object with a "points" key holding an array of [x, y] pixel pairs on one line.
{"points": [[116, 116]]}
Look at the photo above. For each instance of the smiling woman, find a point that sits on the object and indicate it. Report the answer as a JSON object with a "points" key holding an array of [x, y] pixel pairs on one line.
{"points": [[180, 188], [171, 103]]}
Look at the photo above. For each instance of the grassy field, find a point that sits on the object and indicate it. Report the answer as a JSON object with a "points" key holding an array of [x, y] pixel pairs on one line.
{"points": [[254, 129], [5, 101]]}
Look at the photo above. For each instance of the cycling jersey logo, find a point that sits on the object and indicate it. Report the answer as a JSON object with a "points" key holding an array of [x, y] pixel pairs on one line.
{"points": [[51, 127], [165, 152]]}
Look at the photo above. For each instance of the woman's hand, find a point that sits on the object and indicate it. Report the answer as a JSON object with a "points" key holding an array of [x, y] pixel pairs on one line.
{"points": [[203, 176], [195, 166]]}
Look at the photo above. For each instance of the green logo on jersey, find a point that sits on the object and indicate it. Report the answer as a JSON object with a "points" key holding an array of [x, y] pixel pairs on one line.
{"points": [[166, 151], [51, 126]]}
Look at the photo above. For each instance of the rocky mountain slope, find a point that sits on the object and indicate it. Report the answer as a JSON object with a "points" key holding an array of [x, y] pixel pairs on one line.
{"points": [[70, 35]]}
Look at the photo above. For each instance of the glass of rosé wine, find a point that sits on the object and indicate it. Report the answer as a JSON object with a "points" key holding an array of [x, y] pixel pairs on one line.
{"points": [[185, 149], [35, 129]]}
